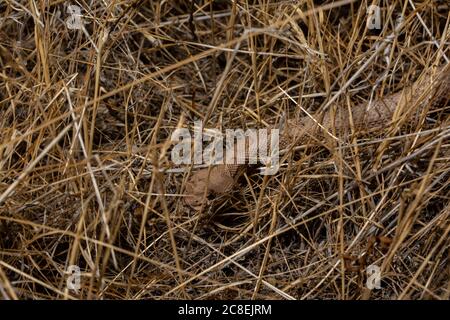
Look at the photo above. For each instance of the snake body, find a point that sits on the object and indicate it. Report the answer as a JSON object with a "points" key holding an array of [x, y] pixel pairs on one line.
{"points": [[429, 90]]}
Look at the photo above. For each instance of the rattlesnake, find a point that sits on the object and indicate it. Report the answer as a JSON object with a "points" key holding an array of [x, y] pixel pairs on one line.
{"points": [[430, 89]]}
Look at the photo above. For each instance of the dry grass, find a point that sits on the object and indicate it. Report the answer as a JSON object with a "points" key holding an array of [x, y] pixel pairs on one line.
{"points": [[86, 119]]}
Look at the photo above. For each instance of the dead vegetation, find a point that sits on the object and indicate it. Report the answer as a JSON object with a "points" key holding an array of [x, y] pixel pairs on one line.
{"points": [[86, 177]]}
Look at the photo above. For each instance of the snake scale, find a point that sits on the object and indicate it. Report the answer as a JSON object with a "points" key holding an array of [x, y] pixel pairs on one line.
{"points": [[429, 90]]}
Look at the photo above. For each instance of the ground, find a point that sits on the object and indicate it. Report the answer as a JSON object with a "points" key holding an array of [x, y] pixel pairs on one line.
{"points": [[91, 203]]}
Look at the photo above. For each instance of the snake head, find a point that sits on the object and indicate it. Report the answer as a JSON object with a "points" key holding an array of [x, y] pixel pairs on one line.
{"points": [[206, 182], [195, 193]]}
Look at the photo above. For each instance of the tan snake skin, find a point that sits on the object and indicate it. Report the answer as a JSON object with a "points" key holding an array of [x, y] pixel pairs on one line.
{"points": [[429, 90]]}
